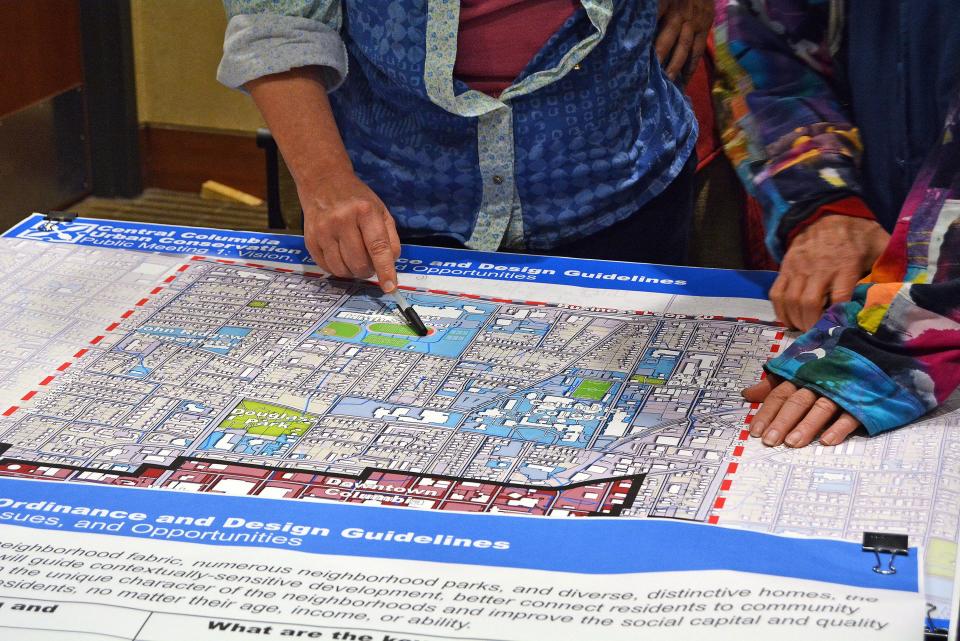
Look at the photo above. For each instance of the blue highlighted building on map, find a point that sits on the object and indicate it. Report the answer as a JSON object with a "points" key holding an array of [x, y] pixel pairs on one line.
{"points": [[375, 321]]}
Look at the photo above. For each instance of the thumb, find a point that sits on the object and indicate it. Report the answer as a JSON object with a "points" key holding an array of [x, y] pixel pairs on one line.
{"points": [[757, 393]]}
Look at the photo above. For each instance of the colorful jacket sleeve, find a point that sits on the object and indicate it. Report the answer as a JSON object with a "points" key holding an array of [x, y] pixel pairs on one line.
{"points": [[265, 37], [893, 353], [783, 127]]}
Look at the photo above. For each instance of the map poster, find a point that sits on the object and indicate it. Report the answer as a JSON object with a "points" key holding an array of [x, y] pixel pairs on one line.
{"points": [[218, 373]]}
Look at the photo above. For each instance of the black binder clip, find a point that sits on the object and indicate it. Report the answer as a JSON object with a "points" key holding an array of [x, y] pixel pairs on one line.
{"points": [[59, 216], [892, 544], [932, 632]]}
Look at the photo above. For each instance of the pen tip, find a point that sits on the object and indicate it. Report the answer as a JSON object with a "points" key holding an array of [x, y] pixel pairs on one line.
{"points": [[416, 323]]}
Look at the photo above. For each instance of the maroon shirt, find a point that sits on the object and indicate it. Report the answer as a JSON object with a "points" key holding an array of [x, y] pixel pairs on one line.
{"points": [[498, 38]]}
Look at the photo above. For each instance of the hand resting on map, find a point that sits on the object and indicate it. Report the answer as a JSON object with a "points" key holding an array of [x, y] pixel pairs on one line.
{"points": [[796, 415]]}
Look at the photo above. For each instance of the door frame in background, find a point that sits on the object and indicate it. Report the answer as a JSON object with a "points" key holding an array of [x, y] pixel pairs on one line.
{"points": [[111, 96]]}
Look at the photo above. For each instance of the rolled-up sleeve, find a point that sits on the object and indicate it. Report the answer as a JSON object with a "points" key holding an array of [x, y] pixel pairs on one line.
{"points": [[265, 37]]}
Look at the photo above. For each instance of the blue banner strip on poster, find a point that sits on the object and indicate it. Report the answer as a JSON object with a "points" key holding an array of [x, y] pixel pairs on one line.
{"points": [[507, 268], [580, 545]]}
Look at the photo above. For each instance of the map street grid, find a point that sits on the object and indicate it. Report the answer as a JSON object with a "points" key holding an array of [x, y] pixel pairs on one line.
{"points": [[230, 378], [275, 369]]}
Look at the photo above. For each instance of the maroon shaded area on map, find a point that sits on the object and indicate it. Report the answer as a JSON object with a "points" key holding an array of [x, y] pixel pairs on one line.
{"points": [[608, 497]]}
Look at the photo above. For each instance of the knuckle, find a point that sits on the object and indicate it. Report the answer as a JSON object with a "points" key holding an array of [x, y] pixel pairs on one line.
{"points": [[782, 392], [317, 225], [795, 401], [363, 207], [841, 294], [801, 397], [333, 222], [825, 403], [791, 297], [379, 247], [764, 412]]}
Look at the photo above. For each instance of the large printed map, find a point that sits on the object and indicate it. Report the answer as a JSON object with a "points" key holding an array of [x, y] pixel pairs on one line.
{"points": [[151, 370], [234, 372]]}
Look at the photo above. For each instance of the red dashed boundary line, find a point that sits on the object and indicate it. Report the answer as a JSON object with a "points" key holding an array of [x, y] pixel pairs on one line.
{"points": [[738, 449], [725, 485], [727, 482], [96, 339]]}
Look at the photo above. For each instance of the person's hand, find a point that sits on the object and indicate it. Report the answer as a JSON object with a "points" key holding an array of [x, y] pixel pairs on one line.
{"points": [[682, 34], [795, 415], [823, 265], [349, 231]]}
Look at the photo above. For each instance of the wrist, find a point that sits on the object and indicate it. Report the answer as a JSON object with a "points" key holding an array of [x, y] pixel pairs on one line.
{"points": [[320, 180], [849, 207]]}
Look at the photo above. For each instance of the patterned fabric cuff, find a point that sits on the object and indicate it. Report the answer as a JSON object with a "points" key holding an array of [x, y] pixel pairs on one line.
{"points": [[258, 45], [852, 382]]}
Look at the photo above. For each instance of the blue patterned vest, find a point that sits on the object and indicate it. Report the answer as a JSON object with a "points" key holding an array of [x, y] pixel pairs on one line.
{"points": [[590, 131]]}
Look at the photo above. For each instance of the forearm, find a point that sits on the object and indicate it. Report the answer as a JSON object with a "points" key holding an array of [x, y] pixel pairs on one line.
{"points": [[295, 105], [893, 352], [347, 228], [784, 129]]}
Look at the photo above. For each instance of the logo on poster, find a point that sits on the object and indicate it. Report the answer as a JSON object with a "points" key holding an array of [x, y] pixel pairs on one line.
{"points": [[55, 232]]}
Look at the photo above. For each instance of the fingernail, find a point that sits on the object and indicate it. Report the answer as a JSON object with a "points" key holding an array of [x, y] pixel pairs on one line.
{"points": [[756, 428], [388, 286], [793, 439], [771, 438], [827, 439]]}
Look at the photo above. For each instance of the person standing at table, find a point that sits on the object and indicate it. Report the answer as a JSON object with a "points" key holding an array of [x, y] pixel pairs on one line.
{"points": [[548, 126], [838, 118]]}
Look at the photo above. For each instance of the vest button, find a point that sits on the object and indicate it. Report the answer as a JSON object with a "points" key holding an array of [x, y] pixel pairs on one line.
{"points": [[498, 180]]}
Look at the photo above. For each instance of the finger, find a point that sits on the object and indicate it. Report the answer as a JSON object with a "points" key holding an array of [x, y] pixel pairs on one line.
{"points": [[313, 248], [335, 264], [819, 416], [667, 38], [759, 392], [696, 53], [378, 244], [776, 294], [681, 51], [392, 233], [771, 406], [812, 301], [756, 393], [791, 412], [840, 430], [354, 252], [841, 290], [321, 263], [791, 301]]}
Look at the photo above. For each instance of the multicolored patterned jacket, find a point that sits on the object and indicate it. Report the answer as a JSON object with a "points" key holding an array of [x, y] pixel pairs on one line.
{"points": [[893, 353]]}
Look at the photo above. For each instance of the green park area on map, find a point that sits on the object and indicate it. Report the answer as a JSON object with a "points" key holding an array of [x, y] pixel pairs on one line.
{"points": [[267, 420], [592, 390]]}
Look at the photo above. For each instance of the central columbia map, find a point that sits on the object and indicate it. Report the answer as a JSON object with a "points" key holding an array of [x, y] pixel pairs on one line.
{"points": [[240, 379]]}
